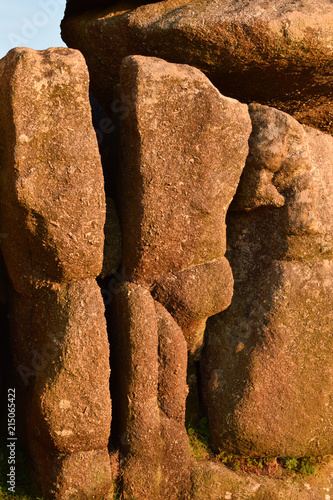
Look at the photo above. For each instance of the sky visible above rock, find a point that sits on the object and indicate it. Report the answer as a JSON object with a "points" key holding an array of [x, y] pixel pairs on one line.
{"points": [[30, 23]]}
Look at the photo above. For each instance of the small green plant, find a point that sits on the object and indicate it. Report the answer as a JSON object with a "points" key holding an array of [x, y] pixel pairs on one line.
{"points": [[199, 439], [307, 466], [291, 464]]}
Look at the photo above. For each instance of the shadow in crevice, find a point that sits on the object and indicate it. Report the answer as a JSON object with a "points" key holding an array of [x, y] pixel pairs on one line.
{"points": [[194, 402], [109, 288], [6, 363], [106, 126]]}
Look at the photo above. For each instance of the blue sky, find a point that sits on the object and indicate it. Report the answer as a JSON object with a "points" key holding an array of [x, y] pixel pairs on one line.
{"points": [[30, 23]]}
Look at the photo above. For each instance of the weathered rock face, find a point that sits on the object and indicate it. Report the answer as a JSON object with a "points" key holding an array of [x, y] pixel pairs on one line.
{"points": [[267, 359], [194, 294], [184, 146], [213, 481], [65, 413], [76, 475], [68, 410], [278, 53], [190, 159], [53, 213], [149, 374], [53, 172]]}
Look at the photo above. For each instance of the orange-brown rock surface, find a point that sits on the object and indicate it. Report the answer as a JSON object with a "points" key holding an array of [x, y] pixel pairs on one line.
{"points": [[149, 381], [225, 210], [184, 147], [278, 53], [267, 359], [53, 212], [52, 173]]}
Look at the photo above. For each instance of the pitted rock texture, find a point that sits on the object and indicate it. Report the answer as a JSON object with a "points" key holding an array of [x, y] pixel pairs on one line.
{"points": [[52, 190], [194, 294], [184, 147], [213, 481], [277, 53], [71, 410], [84, 475], [202, 181], [52, 211], [68, 411], [172, 393], [278, 149], [290, 166], [149, 377], [267, 378]]}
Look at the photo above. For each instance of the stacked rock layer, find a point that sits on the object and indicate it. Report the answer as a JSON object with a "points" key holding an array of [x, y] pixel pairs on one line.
{"points": [[53, 213], [219, 229]]}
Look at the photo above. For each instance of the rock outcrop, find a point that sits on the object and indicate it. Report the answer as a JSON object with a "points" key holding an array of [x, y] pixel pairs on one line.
{"points": [[183, 150], [277, 53], [149, 374], [267, 359], [53, 173], [208, 223], [53, 213], [184, 147]]}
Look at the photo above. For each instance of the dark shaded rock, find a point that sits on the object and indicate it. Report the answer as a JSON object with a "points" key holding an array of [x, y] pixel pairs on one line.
{"points": [[79, 6], [193, 402], [267, 359], [184, 146], [107, 133], [3, 282], [172, 392], [85, 475], [112, 240], [172, 351], [277, 53], [76, 6], [5, 365]]}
